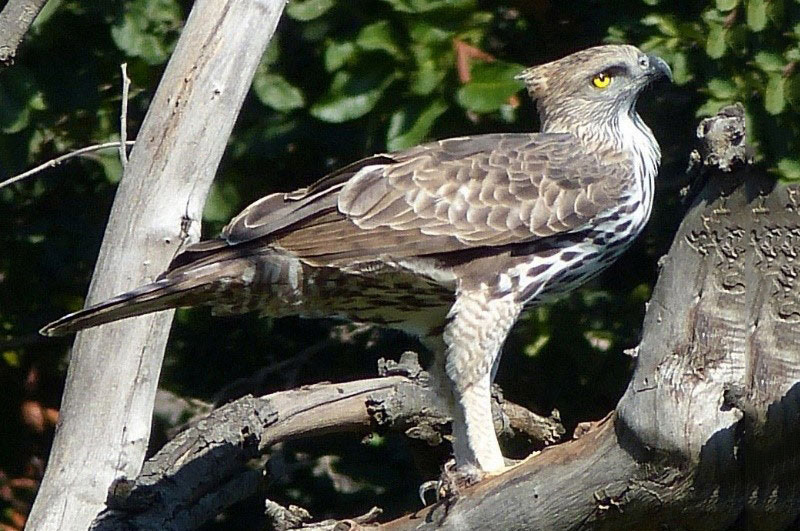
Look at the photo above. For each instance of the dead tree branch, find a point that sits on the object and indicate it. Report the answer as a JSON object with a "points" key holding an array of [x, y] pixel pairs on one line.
{"points": [[111, 382], [15, 19], [183, 484], [58, 160]]}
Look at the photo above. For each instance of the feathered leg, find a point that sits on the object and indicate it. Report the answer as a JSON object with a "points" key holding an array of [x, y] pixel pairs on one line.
{"points": [[478, 326]]}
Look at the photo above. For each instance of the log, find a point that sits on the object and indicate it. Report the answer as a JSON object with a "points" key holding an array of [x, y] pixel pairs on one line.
{"points": [[111, 382], [205, 468]]}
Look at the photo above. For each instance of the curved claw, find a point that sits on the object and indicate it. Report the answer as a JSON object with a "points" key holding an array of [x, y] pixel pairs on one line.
{"points": [[432, 485], [451, 481]]}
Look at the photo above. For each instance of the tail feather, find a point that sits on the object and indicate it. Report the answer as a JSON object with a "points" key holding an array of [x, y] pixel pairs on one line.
{"points": [[173, 291], [150, 298]]}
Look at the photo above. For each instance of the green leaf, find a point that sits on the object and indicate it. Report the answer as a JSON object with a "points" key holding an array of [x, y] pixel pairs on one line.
{"points": [[769, 62], [791, 90], [19, 96], [379, 37], [273, 90], [109, 161], [11, 357], [490, 87], [148, 29], [50, 8], [789, 169], [426, 78], [726, 5], [722, 89], [776, 12], [425, 32], [774, 102], [423, 6], [273, 51], [680, 69], [756, 14], [533, 349], [337, 54], [304, 10], [429, 73], [666, 24], [715, 44], [710, 107], [223, 199], [353, 94], [410, 124]]}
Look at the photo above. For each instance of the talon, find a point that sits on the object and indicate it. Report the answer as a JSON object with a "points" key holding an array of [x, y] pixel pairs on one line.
{"points": [[432, 485]]}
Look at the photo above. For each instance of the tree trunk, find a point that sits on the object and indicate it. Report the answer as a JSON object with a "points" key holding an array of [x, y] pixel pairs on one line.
{"points": [[113, 373]]}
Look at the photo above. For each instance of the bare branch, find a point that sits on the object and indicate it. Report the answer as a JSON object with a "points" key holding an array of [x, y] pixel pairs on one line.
{"points": [[123, 116], [58, 160], [15, 19], [203, 461]]}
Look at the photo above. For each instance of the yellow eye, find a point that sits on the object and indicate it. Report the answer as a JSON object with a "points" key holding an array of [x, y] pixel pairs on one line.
{"points": [[602, 80]]}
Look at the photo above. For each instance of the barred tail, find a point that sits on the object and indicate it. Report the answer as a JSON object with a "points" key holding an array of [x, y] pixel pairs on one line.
{"points": [[186, 288]]}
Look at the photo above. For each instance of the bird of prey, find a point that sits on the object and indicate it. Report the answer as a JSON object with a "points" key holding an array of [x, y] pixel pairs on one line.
{"points": [[448, 240]]}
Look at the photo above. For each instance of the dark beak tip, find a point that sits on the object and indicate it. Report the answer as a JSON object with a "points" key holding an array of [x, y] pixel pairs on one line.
{"points": [[660, 67]]}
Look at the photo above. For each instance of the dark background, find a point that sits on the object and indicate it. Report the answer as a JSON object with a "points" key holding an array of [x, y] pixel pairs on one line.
{"points": [[343, 79]]}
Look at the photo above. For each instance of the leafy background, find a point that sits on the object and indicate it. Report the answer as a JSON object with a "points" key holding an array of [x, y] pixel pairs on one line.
{"points": [[341, 80]]}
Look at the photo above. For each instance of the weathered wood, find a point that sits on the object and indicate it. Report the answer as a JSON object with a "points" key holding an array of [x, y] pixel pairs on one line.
{"points": [[15, 19], [180, 487], [707, 433], [111, 382]]}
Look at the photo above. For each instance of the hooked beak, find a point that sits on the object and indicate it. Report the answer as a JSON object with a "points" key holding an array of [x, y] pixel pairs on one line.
{"points": [[659, 68]]}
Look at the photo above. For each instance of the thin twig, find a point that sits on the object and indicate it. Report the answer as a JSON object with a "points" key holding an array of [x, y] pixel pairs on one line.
{"points": [[123, 117], [58, 160]]}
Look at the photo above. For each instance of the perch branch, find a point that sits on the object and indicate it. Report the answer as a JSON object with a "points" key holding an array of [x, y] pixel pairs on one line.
{"points": [[206, 460]]}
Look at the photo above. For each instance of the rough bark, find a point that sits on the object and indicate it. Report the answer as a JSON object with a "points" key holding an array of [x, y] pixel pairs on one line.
{"points": [[205, 468], [111, 382], [15, 19], [707, 433]]}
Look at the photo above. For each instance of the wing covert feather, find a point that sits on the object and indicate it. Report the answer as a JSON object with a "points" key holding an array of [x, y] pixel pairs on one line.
{"points": [[450, 195], [488, 190]]}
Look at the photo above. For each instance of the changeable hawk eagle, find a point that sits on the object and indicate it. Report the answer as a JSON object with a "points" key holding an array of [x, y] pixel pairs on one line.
{"points": [[449, 240]]}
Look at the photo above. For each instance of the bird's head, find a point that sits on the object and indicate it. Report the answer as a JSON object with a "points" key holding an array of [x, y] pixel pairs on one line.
{"points": [[596, 85]]}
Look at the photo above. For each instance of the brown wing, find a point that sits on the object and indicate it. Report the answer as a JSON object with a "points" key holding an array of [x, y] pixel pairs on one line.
{"points": [[488, 190], [455, 194]]}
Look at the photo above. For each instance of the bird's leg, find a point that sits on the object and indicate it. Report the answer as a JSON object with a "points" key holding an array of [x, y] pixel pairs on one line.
{"points": [[475, 442], [479, 322]]}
